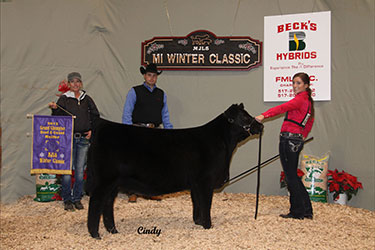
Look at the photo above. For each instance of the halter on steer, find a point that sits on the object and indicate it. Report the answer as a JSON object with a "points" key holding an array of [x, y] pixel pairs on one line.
{"points": [[245, 127]]}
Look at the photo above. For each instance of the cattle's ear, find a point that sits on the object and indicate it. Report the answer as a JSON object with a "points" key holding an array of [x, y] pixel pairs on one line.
{"points": [[233, 106], [241, 106]]}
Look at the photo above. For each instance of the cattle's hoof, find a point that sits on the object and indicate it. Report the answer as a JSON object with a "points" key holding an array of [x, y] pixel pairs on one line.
{"points": [[207, 226], [95, 236], [113, 231], [198, 222]]}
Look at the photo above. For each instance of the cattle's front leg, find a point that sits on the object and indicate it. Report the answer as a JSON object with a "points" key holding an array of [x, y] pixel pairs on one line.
{"points": [[205, 201], [95, 210], [196, 209], [108, 217]]}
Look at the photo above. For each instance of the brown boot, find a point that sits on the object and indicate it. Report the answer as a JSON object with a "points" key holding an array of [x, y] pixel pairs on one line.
{"points": [[132, 198], [155, 198]]}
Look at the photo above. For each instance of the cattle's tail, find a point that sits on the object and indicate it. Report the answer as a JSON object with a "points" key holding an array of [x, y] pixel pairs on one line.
{"points": [[92, 178], [90, 181]]}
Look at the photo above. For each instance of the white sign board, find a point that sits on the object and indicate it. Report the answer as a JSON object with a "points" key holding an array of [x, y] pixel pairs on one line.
{"points": [[297, 43]]}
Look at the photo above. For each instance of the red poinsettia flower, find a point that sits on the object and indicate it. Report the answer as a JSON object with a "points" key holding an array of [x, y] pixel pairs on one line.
{"points": [[57, 197], [332, 173], [343, 182], [333, 186], [300, 173], [282, 176], [84, 176]]}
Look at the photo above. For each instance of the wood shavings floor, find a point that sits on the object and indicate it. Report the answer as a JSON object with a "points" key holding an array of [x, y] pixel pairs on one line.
{"points": [[33, 225]]}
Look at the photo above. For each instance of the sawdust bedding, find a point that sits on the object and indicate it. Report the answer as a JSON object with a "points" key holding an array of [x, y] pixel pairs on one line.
{"points": [[33, 225]]}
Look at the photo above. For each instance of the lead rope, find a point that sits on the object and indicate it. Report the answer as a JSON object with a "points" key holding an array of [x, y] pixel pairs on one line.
{"points": [[262, 164], [258, 178]]}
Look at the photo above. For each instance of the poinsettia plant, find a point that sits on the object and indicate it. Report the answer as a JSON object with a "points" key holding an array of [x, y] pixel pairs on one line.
{"points": [[300, 173], [342, 182]]}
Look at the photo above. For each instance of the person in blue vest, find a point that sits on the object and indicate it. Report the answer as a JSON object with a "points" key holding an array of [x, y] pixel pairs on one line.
{"points": [[146, 105]]}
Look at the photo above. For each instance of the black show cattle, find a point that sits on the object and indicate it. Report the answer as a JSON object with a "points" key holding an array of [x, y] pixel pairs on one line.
{"points": [[159, 161]]}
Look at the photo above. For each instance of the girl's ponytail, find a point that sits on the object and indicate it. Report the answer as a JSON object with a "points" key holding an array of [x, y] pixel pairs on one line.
{"points": [[306, 79]]}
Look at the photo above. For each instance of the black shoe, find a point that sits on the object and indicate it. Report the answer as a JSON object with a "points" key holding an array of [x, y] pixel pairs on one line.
{"points": [[78, 205], [291, 216], [308, 216], [68, 205]]}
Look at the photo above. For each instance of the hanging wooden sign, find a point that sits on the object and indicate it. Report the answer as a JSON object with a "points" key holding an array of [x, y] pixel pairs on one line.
{"points": [[202, 50]]}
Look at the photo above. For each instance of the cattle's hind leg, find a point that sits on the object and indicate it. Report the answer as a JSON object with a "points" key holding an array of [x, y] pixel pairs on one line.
{"points": [[108, 217]]}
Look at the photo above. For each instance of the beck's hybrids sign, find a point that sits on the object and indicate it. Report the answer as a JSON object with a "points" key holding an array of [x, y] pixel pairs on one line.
{"points": [[297, 43]]}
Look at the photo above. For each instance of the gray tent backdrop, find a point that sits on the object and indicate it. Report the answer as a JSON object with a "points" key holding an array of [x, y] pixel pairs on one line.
{"points": [[42, 41]]}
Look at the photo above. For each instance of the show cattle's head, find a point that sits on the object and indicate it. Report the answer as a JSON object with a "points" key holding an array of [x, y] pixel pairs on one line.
{"points": [[242, 123]]}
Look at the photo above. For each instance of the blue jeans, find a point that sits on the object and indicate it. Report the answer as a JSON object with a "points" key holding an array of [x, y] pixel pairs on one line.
{"points": [[299, 199], [79, 156]]}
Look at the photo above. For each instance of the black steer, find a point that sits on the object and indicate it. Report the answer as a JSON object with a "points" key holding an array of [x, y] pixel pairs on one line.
{"points": [[160, 161]]}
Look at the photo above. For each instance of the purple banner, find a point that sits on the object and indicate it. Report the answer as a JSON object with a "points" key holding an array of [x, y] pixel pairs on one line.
{"points": [[52, 145]]}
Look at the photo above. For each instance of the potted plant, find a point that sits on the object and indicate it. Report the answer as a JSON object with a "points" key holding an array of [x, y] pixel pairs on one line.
{"points": [[300, 173], [342, 183]]}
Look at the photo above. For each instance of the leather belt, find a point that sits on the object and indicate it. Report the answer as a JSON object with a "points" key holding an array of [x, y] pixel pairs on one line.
{"points": [[78, 135], [291, 135], [148, 125]]}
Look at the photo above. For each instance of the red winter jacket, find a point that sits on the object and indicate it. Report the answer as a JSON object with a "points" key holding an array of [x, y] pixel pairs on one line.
{"points": [[297, 108]]}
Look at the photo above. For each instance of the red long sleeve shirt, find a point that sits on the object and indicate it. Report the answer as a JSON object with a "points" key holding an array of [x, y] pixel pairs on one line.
{"points": [[297, 108]]}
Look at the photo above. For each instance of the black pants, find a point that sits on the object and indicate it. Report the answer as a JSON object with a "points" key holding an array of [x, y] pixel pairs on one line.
{"points": [[290, 148]]}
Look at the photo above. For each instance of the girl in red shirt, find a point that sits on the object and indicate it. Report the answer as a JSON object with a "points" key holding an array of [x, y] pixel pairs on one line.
{"points": [[297, 124]]}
